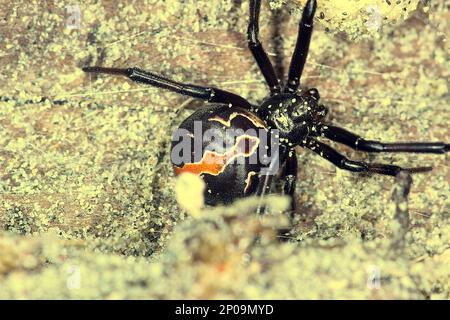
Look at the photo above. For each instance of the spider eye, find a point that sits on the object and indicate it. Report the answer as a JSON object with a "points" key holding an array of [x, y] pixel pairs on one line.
{"points": [[314, 93], [323, 111], [297, 111]]}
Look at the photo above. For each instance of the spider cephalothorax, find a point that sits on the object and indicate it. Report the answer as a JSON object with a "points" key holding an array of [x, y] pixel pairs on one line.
{"points": [[235, 165], [296, 115]]}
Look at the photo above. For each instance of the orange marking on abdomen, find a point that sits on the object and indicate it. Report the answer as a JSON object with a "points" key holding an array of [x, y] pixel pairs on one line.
{"points": [[214, 163], [253, 119]]}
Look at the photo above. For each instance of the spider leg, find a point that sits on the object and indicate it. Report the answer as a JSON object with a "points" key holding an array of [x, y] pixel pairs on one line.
{"points": [[265, 183], [358, 143], [302, 46], [266, 177], [342, 162], [257, 49], [290, 178], [209, 94]]}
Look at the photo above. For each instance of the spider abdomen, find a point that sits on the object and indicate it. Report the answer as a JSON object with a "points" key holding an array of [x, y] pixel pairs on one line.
{"points": [[222, 144]]}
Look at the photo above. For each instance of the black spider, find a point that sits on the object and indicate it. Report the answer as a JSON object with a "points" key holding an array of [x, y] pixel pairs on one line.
{"points": [[295, 113]]}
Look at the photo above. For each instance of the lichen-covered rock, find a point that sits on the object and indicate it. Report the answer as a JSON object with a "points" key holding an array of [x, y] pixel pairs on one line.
{"points": [[358, 19]]}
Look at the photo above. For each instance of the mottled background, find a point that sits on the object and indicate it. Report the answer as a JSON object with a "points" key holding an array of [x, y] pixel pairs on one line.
{"points": [[88, 207]]}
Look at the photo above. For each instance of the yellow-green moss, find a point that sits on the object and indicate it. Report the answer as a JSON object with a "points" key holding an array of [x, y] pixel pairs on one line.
{"points": [[358, 19]]}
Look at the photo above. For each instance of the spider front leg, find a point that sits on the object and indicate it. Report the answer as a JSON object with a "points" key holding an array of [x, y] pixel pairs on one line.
{"points": [[209, 94], [342, 162], [358, 143], [257, 49], [301, 47]]}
